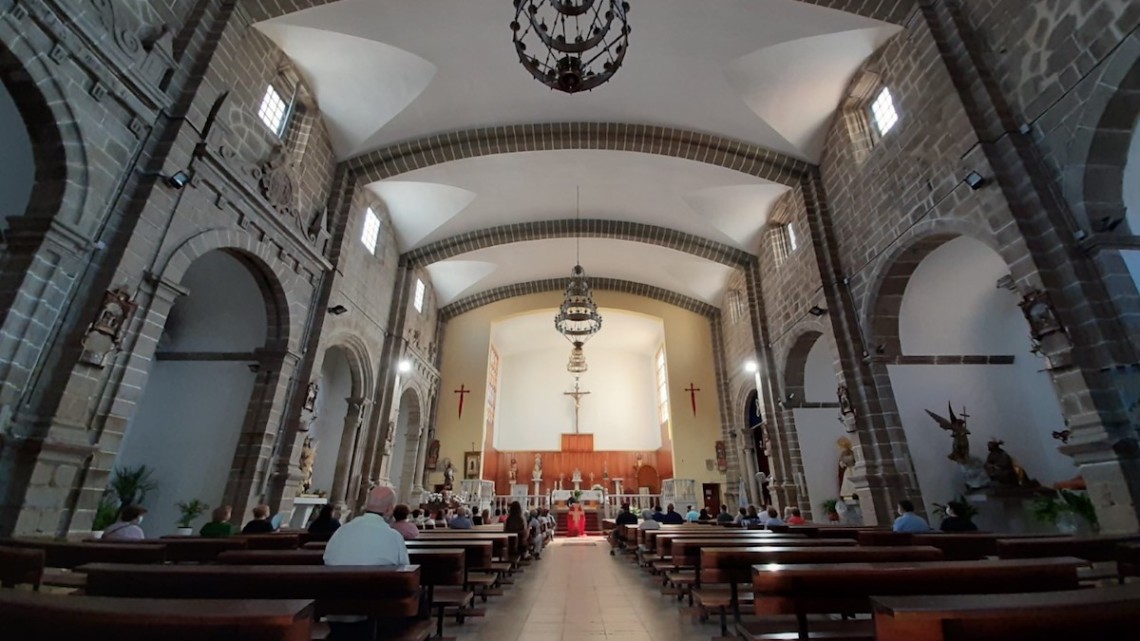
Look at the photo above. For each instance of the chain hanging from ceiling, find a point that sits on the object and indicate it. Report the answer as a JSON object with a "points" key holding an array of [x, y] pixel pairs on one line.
{"points": [[571, 45], [578, 318]]}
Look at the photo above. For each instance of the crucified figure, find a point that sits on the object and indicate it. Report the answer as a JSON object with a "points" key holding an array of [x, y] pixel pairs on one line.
{"points": [[577, 394]]}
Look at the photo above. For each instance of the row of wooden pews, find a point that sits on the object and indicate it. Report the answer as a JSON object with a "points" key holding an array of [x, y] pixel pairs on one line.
{"points": [[857, 584], [266, 587]]}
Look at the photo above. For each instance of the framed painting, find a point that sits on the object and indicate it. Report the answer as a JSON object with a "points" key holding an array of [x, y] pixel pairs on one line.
{"points": [[472, 464]]}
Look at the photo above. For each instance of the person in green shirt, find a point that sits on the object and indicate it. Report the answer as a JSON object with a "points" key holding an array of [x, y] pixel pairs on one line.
{"points": [[219, 525]]}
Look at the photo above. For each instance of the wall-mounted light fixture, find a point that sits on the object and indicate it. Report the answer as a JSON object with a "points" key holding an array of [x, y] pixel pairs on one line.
{"points": [[404, 367], [751, 367], [337, 310], [975, 180], [817, 311], [179, 180]]}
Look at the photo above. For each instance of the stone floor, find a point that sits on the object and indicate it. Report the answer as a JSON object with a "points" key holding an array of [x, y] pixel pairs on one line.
{"points": [[579, 592]]}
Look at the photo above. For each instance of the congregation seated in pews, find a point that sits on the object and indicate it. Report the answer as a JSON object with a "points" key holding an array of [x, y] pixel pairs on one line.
{"points": [[903, 581]]}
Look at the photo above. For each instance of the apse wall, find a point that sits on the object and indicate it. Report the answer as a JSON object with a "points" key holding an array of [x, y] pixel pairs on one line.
{"points": [[953, 306], [621, 410], [17, 162]]}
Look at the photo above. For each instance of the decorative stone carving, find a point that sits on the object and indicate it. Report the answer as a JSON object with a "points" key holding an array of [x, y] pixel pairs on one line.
{"points": [[276, 183], [1040, 315], [124, 30], [844, 396], [307, 462], [311, 397], [105, 332]]}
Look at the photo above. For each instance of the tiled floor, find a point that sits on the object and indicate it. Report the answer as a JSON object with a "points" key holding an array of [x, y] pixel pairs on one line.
{"points": [[579, 592]]}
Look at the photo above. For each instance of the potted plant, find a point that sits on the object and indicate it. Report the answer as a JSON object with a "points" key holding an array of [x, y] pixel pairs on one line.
{"points": [[960, 506], [131, 485], [105, 515], [830, 510], [1066, 511], [188, 511]]}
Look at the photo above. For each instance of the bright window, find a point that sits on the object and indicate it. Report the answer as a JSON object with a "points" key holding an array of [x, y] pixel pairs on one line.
{"points": [[883, 111], [492, 388], [371, 232], [421, 290], [792, 244], [273, 110], [783, 241], [662, 386]]}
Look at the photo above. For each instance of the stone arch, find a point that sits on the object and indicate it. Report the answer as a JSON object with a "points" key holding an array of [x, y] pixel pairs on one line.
{"points": [[475, 301], [406, 433], [342, 414], [796, 362]]}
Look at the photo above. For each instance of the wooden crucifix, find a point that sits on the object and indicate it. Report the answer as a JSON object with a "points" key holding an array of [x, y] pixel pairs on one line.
{"points": [[577, 394], [692, 390], [463, 392]]}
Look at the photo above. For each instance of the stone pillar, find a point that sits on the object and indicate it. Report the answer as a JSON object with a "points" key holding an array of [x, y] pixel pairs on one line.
{"points": [[421, 460], [346, 458]]}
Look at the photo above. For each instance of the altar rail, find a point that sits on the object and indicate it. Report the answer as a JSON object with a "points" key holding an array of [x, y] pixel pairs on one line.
{"points": [[611, 504]]}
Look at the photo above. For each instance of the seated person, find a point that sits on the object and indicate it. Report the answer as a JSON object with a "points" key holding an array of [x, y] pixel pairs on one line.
{"points": [[516, 522], [536, 539], [751, 517], [402, 524], [438, 520], [955, 523], [649, 524], [692, 515], [418, 517], [658, 515], [724, 516], [796, 518], [260, 523], [461, 521], [908, 521], [704, 515], [325, 523], [773, 518], [624, 518], [740, 516], [219, 525], [365, 540], [672, 516], [127, 529]]}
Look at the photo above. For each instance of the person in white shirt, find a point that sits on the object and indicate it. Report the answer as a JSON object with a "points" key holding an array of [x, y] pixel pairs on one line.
{"points": [[536, 534], [649, 524], [127, 529], [366, 540]]}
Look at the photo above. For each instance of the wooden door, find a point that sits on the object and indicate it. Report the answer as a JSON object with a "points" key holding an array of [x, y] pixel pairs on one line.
{"points": [[711, 493]]}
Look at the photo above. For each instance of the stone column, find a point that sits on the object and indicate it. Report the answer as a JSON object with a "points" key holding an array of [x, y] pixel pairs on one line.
{"points": [[346, 457], [421, 461]]}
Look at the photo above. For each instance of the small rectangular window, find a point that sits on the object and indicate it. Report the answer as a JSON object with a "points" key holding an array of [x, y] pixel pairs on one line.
{"points": [[883, 111], [273, 111], [792, 244], [371, 232], [421, 291], [783, 238], [662, 387]]}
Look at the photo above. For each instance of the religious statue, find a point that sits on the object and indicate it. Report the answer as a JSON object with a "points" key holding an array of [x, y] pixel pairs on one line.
{"points": [[638, 463], [311, 397], [1003, 470], [960, 453], [514, 471], [606, 471], [536, 475], [105, 333], [306, 462], [449, 476], [846, 467], [577, 476]]}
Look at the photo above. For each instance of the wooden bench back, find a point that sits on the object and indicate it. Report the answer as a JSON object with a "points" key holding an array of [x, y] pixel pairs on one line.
{"points": [[479, 554], [357, 590], [688, 551], [663, 543], [828, 588], [437, 566], [192, 549], [20, 566], [34, 615], [506, 544], [68, 555], [277, 541], [884, 537], [734, 565], [1090, 548]]}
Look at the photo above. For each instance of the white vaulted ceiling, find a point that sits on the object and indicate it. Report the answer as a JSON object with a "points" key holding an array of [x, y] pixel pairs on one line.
{"points": [[766, 72]]}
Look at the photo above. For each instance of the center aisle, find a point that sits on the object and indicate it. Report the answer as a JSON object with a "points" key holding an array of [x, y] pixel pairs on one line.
{"points": [[578, 592]]}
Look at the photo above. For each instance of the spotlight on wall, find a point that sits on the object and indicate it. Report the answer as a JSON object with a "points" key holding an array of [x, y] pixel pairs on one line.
{"points": [[751, 367], [405, 367], [179, 180], [975, 180], [817, 311], [337, 310]]}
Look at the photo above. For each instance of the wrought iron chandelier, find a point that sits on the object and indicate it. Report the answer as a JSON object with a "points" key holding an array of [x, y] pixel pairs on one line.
{"points": [[577, 364], [578, 318], [571, 45]]}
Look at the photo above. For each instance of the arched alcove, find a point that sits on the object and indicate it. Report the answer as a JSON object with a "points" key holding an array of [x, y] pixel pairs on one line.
{"points": [[406, 436], [817, 428], [331, 408], [755, 421], [952, 306], [17, 160], [198, 390]]}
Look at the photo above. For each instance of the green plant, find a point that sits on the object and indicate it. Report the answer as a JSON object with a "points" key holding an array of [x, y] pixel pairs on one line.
{"points": [[131, 485], [106, 513], [1049, 509], [961, 507], [829, 505], [190, 511]]}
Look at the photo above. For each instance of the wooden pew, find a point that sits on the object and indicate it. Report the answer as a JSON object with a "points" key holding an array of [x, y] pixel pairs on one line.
{"points": [[834, 531], [441, 569], [69, 555], [884, 537], [1109, 613], [390, 593], [19, 566], [276, 541], [1128, 560], [733, 566], [33, 615], [193, 549], [1095, 549], [801, 590], [506, 544], [663, 543]]}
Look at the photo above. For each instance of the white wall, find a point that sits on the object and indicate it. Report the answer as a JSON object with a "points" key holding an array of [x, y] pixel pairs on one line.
{"points": [[818, 429], [952, 306], [17, 161], [1132, 180], [189, 421], [331, 407], [621, 410]]}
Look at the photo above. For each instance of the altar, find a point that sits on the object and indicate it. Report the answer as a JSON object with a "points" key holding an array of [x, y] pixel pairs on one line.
{"points": [[590, 499]]}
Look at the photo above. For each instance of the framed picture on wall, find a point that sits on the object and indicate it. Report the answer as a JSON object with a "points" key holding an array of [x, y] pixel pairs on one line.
{"points": [[471, 464]]}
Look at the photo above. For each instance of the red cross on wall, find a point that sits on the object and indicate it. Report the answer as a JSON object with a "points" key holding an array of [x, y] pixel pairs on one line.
{"points": [[692, 390], [462, 391]]}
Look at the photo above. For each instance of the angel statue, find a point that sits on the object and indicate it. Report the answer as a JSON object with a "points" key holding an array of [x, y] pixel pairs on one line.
{"points": [[960, 453]]}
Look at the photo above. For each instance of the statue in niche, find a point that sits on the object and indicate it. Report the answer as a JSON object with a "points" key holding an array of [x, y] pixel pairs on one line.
{"points": [[960, 453], [846, 468], [448, 475], [514, 470], [105, 332], [306, 463], [432, 460], [1003, 470], [536, 475], [311, 397]]}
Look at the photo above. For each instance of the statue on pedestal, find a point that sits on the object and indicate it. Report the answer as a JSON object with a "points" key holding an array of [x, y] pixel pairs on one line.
{"points": [[449, 476], [974, 476], [514, 471], [536, 475], [1003, 470], [306, 463], [846, 468]]}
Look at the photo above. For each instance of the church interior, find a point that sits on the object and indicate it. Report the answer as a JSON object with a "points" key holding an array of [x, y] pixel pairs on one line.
{"points": [[849, 286]]}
